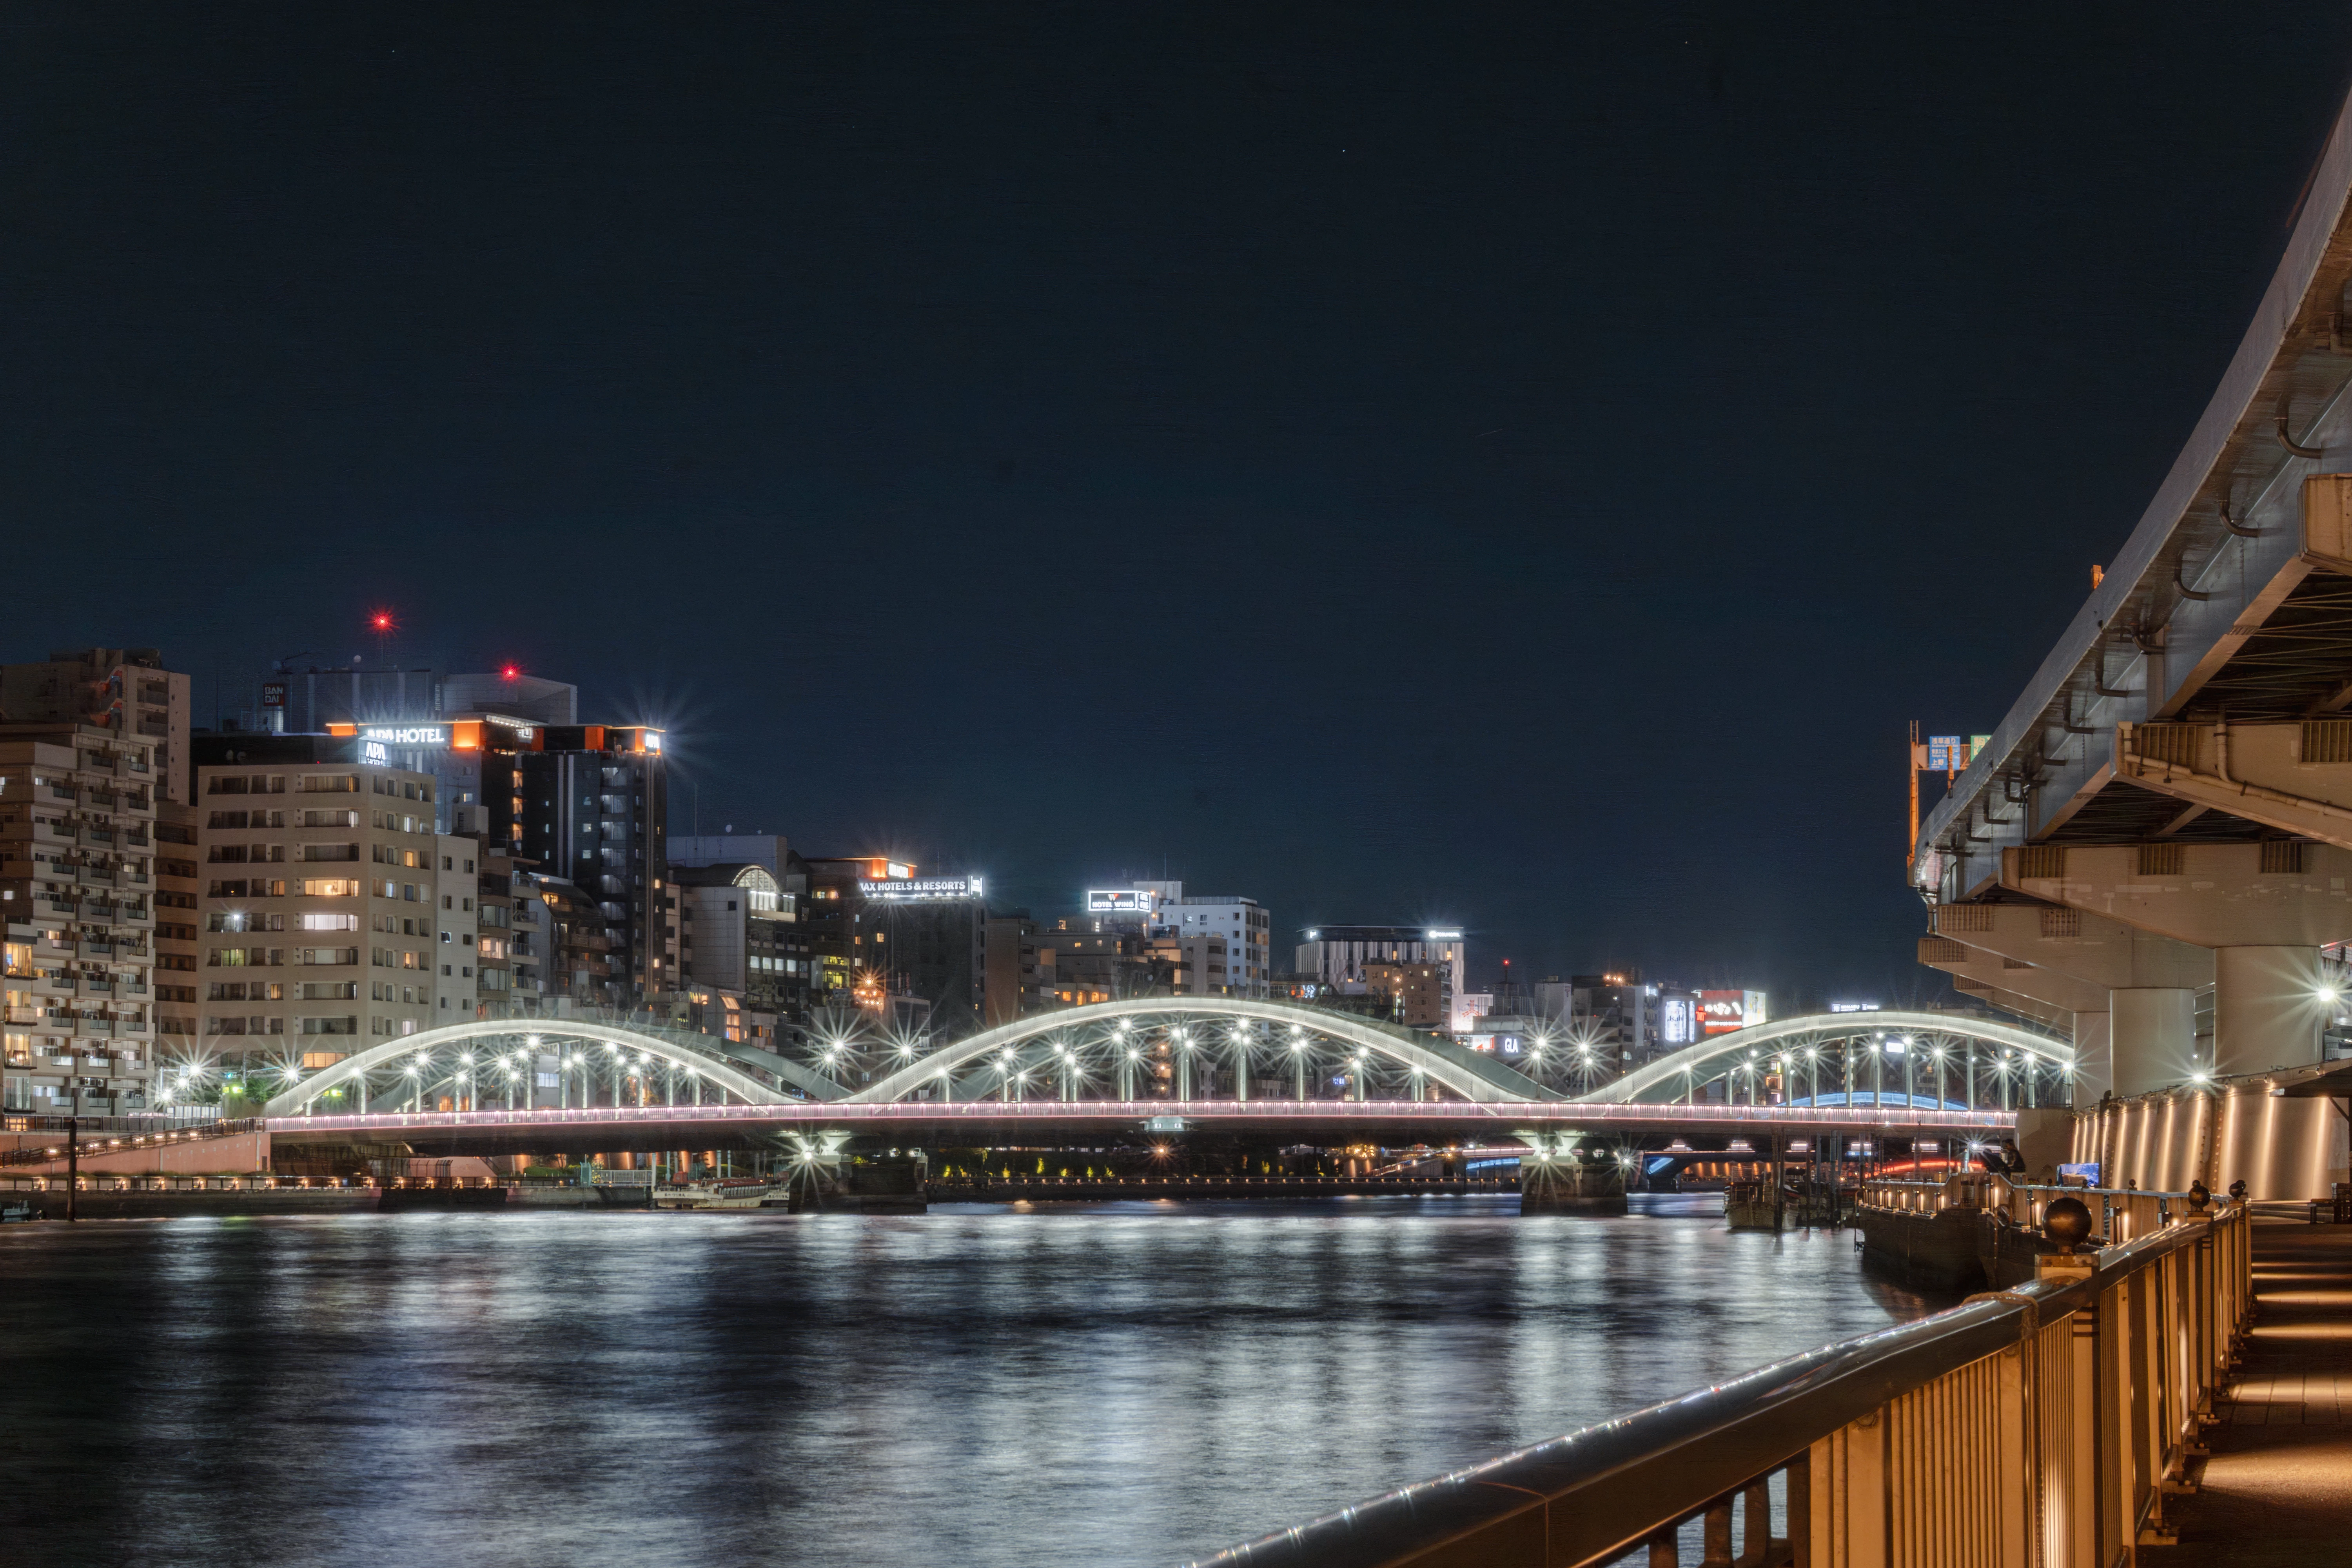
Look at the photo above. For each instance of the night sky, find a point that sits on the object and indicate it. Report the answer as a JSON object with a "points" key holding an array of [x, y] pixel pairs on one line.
{"points": [[1510, 466]]}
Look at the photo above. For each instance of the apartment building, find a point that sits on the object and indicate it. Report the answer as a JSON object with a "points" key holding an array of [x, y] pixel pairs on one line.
{"points": [[1238, 963], [495, 960], [322, 888], [76, 919], [126, 690], [179, 892], [457, 927]]}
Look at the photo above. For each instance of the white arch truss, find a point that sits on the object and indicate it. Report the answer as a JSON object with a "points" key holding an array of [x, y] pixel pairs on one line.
{"points": [[706, 1060], [1465, 1072], [1668, 1071]]}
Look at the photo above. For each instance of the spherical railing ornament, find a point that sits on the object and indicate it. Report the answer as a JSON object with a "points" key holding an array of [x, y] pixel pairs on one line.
{"points": [[2067, 1222], [2237, 1192], [2198, 1197]]}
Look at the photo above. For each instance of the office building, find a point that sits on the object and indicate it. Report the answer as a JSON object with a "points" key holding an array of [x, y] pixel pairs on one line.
{"points": [[509, 693], [1084, 959], [126, 690], [885, 932], [309, 700], [76, 918], [1333, 954], [737, 959], [1017, 977], [767, 849], [1415, 993], [1613, 1016]]}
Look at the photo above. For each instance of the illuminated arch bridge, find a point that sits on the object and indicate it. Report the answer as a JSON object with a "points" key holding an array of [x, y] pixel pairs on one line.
{"points": [[1190, 1049]]}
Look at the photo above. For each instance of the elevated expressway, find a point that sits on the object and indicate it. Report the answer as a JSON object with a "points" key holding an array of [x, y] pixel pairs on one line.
{"points": [[2156, 846]]}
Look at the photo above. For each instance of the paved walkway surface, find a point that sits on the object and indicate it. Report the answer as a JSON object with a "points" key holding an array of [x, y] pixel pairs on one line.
{"points": [[2278, 1489]]}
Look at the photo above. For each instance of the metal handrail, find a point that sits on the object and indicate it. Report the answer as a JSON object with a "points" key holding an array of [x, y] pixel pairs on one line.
{"points": [[1593, 1494]]}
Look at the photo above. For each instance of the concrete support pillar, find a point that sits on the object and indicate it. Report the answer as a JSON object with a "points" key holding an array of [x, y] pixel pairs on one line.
{"points": [[2095, 1067], [2267, 1011], [2152, 1036]]}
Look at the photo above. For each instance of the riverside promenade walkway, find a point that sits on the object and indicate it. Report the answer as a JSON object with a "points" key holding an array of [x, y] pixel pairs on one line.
{"points": [[2278, 1489]]}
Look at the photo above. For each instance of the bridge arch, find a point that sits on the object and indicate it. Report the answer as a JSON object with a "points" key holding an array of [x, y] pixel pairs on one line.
{"points": [[1465, 1072], [1669, 1073], [706, 1057]]}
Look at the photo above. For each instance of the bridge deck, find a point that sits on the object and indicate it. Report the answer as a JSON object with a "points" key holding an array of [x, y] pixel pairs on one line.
{"points": [[2279, 1486], [989, 1121]]}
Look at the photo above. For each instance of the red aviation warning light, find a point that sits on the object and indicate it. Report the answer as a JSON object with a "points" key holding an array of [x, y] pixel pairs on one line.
{"points": [[511, 672]]}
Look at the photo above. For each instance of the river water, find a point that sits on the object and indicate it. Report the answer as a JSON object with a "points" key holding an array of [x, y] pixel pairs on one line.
{"points": [[980, 1387]]}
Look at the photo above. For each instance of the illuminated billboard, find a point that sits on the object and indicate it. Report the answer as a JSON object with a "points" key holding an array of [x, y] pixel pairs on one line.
{"points": [[1118, 902], [1677, 1025], [918, 889], [1720, 1012]]}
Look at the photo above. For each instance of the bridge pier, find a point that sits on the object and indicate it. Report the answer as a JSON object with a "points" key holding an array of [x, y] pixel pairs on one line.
{"points": [[1559, 1177]]}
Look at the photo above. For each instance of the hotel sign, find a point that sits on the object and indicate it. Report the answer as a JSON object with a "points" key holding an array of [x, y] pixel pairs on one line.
{"points": [[918, 889]]}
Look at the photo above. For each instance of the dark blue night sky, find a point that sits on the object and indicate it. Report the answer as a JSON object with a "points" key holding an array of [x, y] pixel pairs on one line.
{"points": [[1507, 465]]}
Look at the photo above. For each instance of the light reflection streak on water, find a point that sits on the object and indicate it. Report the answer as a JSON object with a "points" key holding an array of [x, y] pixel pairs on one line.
{"points": [[1120, 1383]]}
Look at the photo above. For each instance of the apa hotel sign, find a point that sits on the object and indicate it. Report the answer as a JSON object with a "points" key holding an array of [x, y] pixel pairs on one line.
{"points": [[405, 734]]}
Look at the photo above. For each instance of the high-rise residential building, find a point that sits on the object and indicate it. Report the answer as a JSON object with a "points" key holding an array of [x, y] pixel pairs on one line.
{"points": [[1332, 955], [322, 888], [126, 690], [179, 900], [457, 925], [496, 963], [76, 918], [576, 965], [587, 804]]}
